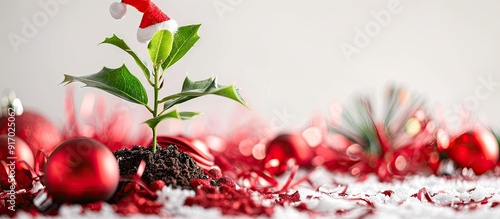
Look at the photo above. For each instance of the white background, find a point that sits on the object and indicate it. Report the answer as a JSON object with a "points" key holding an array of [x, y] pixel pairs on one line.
{"points": [[284, 54]]}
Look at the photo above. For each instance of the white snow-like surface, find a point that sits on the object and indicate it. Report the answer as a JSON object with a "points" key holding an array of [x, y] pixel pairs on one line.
{"points": [[327, 199]]}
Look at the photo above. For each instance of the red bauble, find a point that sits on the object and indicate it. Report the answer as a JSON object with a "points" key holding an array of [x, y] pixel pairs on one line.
{"points": [[476, 149], [286, 150], [21, 152], [194, 147], [81, 170], [38, 132]]}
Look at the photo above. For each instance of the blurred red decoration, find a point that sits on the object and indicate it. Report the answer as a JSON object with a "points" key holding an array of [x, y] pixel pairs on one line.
{"points": [[476, 149], [392, 147], [431, 155], [37, 131], [194, 147], [114, 128], [21, 152], [81, 170], [285, 151]]}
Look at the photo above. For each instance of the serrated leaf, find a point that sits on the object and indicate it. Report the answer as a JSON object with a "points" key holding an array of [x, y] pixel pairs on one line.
{"points": [[116, 41], [160, 46], [119, 82], [152, 123], [193, 89], [184, 39]]}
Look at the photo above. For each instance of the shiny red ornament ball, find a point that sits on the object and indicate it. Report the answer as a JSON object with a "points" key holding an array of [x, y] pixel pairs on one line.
{"points": [[286, 150], [81, 170], [476, 149], [13, 151], [37, 131]]}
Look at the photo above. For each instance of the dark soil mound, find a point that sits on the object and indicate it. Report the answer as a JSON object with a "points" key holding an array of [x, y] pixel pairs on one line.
{"points": [[174, 167]]}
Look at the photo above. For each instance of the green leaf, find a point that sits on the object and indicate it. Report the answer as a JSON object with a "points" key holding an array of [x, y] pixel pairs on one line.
{"points": [[184, 39], [160, 46], [193, 89], [119, 82], [114, 40], [152, 123]]}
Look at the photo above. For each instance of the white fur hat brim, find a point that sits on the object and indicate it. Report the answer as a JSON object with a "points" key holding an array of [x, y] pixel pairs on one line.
{"points": [[145, 34]]}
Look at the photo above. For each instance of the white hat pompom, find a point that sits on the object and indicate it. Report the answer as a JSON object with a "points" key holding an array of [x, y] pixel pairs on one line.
{"points": [[118, 10]]}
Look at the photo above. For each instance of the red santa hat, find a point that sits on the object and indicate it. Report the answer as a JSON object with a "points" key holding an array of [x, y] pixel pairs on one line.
{"points": [[153, 19]]}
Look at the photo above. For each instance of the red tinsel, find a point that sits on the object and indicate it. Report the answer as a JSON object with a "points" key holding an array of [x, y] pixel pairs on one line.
{"points": [[24, 194], [223, 193]]}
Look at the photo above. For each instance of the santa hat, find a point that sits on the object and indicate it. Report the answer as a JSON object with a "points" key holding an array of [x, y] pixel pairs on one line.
{"points": [[153, 19]]}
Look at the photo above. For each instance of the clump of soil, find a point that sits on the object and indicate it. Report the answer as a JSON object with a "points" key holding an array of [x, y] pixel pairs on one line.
{"points": [[174, 167]]}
